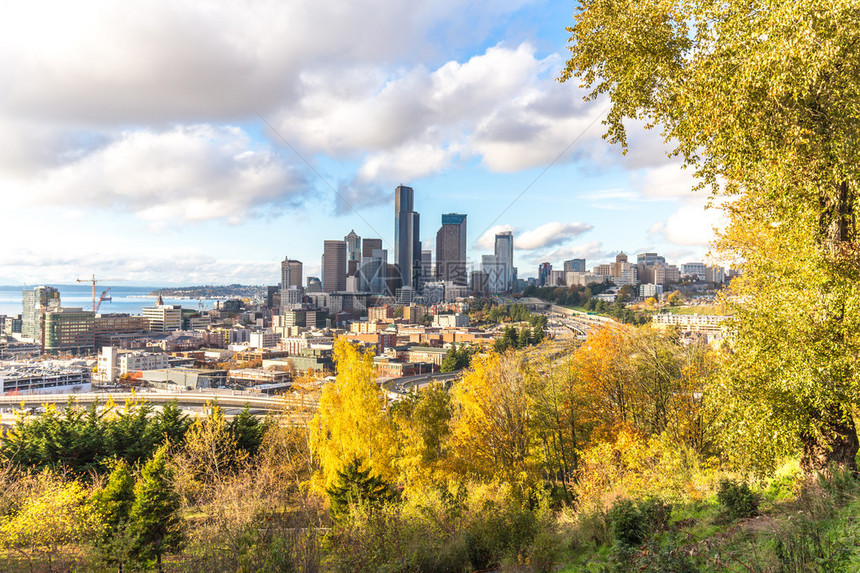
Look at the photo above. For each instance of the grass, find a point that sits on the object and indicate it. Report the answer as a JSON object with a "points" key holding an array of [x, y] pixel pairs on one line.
{"points": [[816, 528]]}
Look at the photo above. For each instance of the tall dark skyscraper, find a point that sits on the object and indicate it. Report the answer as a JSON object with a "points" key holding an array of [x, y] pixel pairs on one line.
{"points": [[451, 249], [407, 245], [334, 266]]}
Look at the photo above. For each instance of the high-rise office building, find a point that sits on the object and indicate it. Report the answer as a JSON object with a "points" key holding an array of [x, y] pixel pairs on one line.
{"points": [[353, 246], [69, 331], [496, 274], [370, 245], [407, 245], [504, 252], [544, 274], [36, 303], [334, 266], [574, 266], [373, 272], [451, 249], [291, 274], [427, 265]]}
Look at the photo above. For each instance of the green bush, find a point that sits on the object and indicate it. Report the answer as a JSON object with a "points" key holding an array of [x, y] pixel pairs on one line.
{"points": [[633, 522], [737, 498]]}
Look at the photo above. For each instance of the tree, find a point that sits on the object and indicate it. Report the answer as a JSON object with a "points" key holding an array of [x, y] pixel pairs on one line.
{"points": [[762, 100], [356, 486], [490, 430], [154, 515], [675, 298], [49, 520], [248, 431], [113, 505], [352, 420]]}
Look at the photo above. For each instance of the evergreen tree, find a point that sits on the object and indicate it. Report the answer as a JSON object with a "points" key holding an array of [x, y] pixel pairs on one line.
{"points": [[170, 424], [248, 431], [356, 486], [154, 515], [449, 362], [113, 504]]}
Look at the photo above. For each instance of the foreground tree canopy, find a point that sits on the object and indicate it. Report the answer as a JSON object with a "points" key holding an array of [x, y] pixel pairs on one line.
{"points": [[762, 99]]}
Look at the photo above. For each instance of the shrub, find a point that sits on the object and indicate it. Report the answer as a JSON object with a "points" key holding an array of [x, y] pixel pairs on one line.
{"points": [[737, 498], [632, 522]]}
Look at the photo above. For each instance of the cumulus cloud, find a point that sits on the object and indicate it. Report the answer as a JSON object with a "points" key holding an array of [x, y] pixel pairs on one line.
{"points": [[100, 61], [591, 251], [550, 235], [690, 225], [502, 106], [190, 173], [487, 240]]}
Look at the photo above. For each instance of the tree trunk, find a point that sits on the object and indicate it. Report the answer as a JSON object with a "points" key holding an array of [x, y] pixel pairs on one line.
{"points": [[838, 444], [158, 563]]}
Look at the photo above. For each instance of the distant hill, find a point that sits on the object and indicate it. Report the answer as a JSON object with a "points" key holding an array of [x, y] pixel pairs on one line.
{"points": [[211, 291]]}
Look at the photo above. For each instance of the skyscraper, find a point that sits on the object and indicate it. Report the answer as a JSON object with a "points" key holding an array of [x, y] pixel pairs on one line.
{"points": [[370, 245], [407, 245], [353, 253], [291, 273], [451, 249], [574, 265], [426, 265], [544, 274], [504, 252], [334, 266], [353, 246], [36, 303]]}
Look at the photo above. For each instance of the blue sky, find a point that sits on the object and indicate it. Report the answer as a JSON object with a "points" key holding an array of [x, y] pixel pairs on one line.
{"points": [[132, 144]]}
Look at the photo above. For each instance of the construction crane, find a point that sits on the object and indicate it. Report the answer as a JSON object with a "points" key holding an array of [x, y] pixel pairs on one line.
{"points": [[104, 297], [93, 281]]}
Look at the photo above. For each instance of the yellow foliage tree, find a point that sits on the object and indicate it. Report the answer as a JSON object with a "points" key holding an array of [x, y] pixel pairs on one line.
{"points": [[352, 420], [51, 522], [491, 437]]}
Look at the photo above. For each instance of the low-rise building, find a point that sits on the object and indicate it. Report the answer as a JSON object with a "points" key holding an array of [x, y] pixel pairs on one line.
{"points": [[20, 378]]}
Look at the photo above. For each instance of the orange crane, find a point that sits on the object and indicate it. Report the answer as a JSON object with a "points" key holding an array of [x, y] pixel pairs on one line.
{"points": [[93, 281]]}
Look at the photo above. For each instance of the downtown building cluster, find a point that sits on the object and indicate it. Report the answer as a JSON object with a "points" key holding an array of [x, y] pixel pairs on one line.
{"points": [[650, 273], [357, 270]]}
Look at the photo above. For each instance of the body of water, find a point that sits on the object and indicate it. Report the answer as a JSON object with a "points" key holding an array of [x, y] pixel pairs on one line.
{"points": [[126, 299]]}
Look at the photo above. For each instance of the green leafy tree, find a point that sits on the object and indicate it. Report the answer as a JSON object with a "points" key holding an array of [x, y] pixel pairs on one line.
{"points": [[154, 515], [761, 100]]}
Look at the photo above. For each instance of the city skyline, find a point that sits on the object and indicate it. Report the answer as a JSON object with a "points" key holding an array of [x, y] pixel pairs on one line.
{"points": [[207, 148]]}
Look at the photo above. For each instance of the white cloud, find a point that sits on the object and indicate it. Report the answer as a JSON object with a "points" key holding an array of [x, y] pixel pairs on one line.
{"points": [[101, 61], [190, 173], [665, 182], [591, 251], [690, 225], [487, 240], [550, 235]]}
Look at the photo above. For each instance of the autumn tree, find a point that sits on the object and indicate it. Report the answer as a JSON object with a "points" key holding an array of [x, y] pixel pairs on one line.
{"points": [[55, 518], [490, 430], [423, 431], [762, 101], [352, 420]]}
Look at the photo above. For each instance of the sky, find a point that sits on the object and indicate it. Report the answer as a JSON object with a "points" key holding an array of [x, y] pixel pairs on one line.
{"points": [[174, 142]]}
